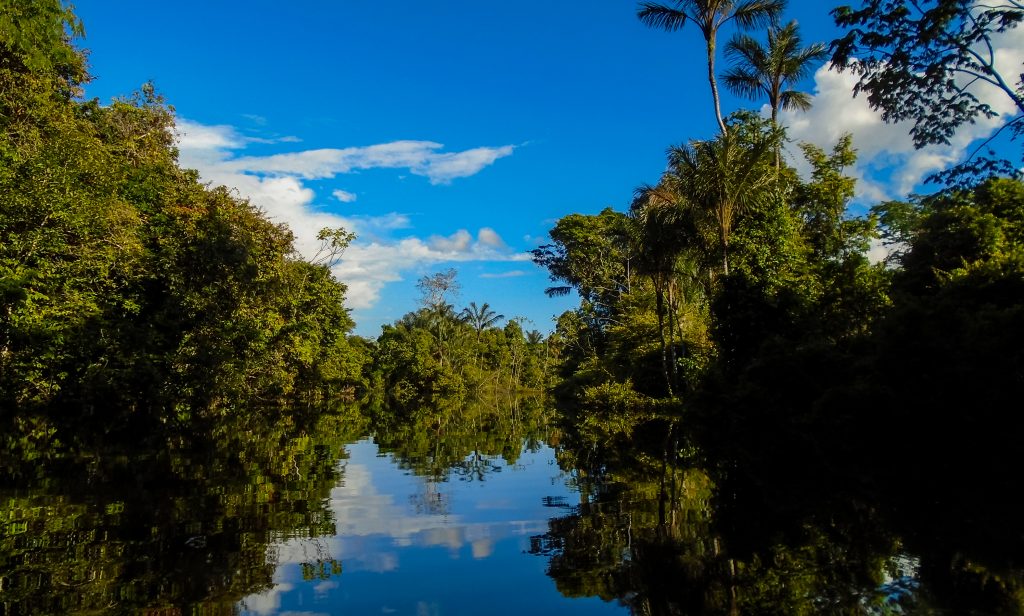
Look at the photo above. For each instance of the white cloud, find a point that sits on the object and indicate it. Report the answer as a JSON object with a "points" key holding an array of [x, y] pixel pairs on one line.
{"points": [[443, 168], [419, 157], [460, 241], [387, 222], [276, 184], [878, 251], [367, 267], [268, 601], [323, 588], [489, 237], [509, 274], [373, 525], [344, 196], [889, 166], [193, 136]]}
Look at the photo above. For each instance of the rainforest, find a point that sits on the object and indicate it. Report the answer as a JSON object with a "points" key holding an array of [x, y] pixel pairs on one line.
{"points": [[769, 398]]}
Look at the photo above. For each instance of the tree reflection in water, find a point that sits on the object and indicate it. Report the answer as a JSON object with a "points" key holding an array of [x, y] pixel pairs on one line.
{"points": [[194, 523], [183, 526], [662, 535]]}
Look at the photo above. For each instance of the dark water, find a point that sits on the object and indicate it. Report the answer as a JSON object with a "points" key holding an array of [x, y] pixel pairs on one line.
{"points": [[488, 509]]}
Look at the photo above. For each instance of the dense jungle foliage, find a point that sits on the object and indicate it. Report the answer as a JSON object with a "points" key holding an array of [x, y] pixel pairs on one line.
{"points": [[756, 415], [735, 291], [730, 318], [130, 292]]}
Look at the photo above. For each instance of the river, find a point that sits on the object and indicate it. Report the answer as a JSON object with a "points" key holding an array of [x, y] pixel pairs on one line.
{"points": [[496, 508]]}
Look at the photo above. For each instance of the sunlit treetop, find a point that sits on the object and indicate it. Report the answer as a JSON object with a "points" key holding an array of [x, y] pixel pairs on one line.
{"points": [[37, 35]]}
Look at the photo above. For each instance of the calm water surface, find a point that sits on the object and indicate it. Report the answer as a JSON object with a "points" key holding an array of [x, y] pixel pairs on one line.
{"points": [[410, 544], [484, 509]]}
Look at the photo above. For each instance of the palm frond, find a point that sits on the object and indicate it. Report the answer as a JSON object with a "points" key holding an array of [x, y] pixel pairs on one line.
{"points": [[744, 83], [793, 100], [656, 15], [746, 49], [557, 291], [758, 70], [757, 13]]}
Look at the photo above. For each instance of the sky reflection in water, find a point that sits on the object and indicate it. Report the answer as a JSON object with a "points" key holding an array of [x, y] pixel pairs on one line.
{"points": [[411, 545]]}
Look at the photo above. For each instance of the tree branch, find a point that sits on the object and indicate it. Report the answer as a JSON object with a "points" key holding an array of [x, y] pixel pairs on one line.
{"points": [[1016, 120]]}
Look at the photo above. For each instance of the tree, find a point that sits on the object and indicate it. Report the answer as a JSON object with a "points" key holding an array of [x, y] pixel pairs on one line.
{"points": [[723, 176], [772, 71], [36, 36], [664, 231], [709, 16], [435, 290], [924, 61], [333, 243], [821, 202], [480, 318], [590, 254], [123, 278]]}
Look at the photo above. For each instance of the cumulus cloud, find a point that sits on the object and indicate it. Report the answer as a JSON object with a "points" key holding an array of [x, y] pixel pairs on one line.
{"points": [[460, 241], [277, 185], [489, 237], [889, 166], [267, 602], [368, 267], [372, 525], [193, 136]]}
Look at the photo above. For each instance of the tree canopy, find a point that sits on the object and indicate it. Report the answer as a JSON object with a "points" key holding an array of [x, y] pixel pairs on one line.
{"points": [[932, 63]]}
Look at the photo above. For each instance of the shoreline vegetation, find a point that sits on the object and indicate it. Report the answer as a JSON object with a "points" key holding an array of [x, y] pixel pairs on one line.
{"points": [[729, 319]]}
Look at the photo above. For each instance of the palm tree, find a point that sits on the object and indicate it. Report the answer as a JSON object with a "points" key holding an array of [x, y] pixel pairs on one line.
{"points": [[655, 214], [772, 71], [709, 16], [534, 337], [480, 318], [724, 176]]}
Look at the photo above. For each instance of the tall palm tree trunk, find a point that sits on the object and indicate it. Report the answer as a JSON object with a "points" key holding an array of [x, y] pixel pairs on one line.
{"points": [[660, 305], [714, 86], [725, 251], [778, 147], [672, 334]]}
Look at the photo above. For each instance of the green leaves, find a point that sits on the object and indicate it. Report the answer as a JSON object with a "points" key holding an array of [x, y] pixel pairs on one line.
{"points": [[920, 61], [35, 36], [122, 277], [772, 70], [724, 176]]}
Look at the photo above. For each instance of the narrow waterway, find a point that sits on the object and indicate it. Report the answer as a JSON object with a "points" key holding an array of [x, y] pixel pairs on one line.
{"points": [[488, 508], [410, 544]]}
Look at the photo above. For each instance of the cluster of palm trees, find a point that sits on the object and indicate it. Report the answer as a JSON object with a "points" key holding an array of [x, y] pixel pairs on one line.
{"points": [[723, 176], [709, 183], [756, 70]]}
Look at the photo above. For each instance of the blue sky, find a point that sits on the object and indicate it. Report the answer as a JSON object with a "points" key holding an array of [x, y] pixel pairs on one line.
{"points": [[449, 133]]}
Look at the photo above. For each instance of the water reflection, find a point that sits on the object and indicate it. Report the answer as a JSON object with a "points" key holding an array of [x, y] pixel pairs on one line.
{"points": [[187, 526], [664, 531], [434, 515], [497, 507]]}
